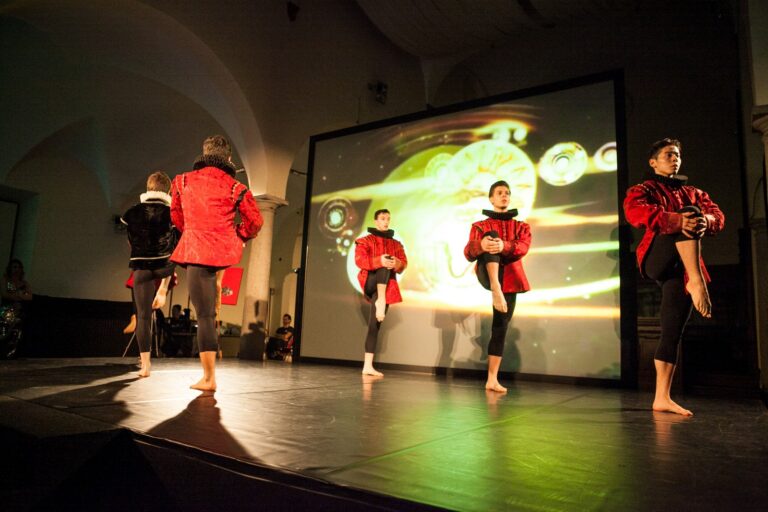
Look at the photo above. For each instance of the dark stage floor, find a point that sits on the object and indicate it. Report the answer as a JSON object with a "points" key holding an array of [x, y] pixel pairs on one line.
{"points": [[431, 440]]}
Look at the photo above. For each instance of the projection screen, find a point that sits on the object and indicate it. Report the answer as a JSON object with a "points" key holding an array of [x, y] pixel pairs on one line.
{"points": [[558, 151]]}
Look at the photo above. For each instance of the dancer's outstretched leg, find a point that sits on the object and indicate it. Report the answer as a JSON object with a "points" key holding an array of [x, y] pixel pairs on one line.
{"points": [[497, 295], [378, 295], [489, 270], [690, 255], [381, 301], [131, 325]]}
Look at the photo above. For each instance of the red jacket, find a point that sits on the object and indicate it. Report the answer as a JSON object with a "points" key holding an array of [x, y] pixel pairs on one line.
{"points": [[653, 205], [517, 240], [368, 252], [203, 207]]}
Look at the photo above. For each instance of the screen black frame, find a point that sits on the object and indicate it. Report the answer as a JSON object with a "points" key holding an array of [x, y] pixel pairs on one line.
{"points": [[627, 266]]}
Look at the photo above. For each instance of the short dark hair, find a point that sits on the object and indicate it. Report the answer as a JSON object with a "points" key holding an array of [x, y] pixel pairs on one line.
{"points": [[657, 146], [500, 183], [287, 315], [379, 212], [176, 306], [217, 145]]}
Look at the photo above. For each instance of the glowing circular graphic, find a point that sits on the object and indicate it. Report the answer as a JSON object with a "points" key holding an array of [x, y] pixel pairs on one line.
{"points": [[344, 242], [481, 164], [563, 164], [607, 157], [336, 215]]}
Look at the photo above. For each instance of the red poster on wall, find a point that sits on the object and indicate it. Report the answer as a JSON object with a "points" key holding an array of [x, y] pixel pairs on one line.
{"points": [[230, 285]]}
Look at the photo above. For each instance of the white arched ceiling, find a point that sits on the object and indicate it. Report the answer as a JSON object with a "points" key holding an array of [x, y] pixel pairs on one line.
{"points": [[444, 32], [139, 39]]}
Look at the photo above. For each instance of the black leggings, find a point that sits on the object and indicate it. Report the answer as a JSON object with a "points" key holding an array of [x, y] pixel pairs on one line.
{"points": [[380, 276], [662, 263], [500, 320], [143, 295], [202, 293]]}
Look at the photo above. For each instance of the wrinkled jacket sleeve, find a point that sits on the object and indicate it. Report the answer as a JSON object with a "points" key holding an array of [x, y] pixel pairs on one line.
{"points": [[177, 214], [715, 217], [250, 217], [403, 260], [517, 248], [642, 210], [473, 249], [364, 258]]}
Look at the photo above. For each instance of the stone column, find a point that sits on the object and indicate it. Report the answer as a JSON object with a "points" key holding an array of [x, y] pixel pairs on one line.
{"points": [[253, 335], [759, 268]]}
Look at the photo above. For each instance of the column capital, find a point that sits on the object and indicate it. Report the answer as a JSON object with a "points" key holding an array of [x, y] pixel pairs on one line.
{"points": [[269, 202]]}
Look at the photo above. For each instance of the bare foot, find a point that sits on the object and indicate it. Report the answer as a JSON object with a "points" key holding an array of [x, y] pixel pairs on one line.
{"points": [[204, 385], [700, 297], [668, 405], [144, 371], [499, 302], [371, 371], [381, 308], [131, 325], [495, 386]]}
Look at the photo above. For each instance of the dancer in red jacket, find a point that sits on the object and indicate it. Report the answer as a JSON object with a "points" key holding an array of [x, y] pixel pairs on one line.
{"points": [[675, 217], [379, 257], [498, 244], [203, 208]]}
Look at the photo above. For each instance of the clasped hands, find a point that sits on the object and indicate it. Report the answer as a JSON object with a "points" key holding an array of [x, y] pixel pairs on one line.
{"points": [[389, 261], [694, 225], [492, 245]]}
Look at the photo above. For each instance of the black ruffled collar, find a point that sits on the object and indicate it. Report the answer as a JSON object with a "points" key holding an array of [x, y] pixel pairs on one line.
{"points": [[214, 161], [674, 181], [507, 215], [383, 234]]}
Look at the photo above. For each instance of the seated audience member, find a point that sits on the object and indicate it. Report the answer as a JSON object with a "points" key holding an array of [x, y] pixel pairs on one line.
{"points": [[281, 344], [16, 292]]}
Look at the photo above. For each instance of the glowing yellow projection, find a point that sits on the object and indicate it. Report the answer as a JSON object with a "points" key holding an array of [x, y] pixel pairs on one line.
{"points": [[436, 194]]}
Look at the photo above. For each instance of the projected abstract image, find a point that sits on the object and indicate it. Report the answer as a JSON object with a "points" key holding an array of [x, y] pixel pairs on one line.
{"points": [[558, 153]]}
